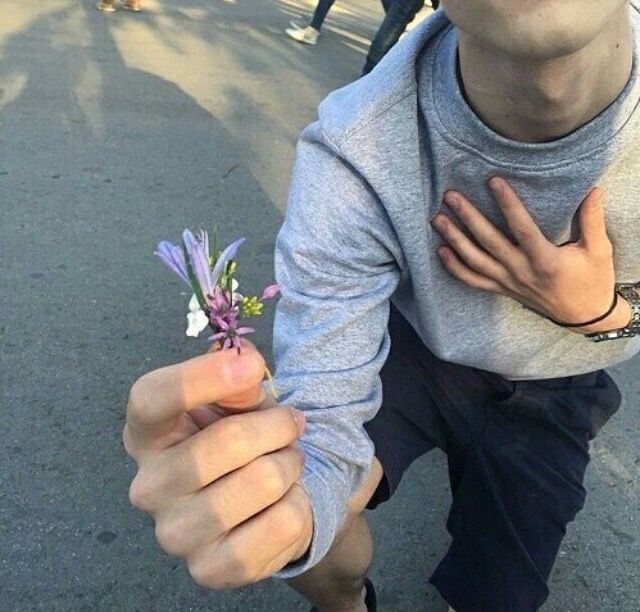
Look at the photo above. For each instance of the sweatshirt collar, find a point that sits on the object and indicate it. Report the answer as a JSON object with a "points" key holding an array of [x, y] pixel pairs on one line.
{"points": [[441, 99]]}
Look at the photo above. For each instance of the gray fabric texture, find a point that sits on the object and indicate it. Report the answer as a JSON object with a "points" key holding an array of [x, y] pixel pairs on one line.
{"points": [[369, 176]]}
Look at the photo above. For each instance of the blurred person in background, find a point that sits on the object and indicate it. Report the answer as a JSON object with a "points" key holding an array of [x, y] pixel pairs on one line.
{"points": [[398, 15], [108, 6], [309, 34]]}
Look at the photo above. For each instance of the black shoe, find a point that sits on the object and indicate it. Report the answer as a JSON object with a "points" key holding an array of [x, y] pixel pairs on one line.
{"points": [[369, 597]]}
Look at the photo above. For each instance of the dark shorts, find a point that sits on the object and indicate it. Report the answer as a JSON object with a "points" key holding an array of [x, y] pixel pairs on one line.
{"points": [[517, 454]]}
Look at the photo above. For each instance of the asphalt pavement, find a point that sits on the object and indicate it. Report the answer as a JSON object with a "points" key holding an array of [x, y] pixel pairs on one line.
{"points": [[116, 131]]}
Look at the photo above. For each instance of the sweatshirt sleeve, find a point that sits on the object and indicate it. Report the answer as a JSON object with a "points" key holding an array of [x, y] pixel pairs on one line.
{"points": [[336, 261]]}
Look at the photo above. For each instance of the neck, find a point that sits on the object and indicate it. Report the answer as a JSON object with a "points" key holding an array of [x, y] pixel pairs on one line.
{"points": [[545, 100]]}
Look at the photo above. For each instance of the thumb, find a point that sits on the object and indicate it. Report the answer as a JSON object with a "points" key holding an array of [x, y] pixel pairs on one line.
{"points": [[251, 368], [593, 229]]}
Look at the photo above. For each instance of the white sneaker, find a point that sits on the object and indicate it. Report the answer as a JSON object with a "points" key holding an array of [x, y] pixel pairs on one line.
{"points": [[306, 35]]}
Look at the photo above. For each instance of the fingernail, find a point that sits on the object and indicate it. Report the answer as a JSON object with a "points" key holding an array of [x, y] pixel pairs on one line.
{"points": [[495, 185], [452, 200], [438, 220], [298, 417], [243, 369]]}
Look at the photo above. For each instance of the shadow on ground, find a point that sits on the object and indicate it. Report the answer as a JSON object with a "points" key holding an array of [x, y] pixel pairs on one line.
{"points": [[118, 131]]}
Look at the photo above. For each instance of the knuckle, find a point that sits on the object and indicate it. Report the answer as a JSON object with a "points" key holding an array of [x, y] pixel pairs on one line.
{"points": [[208, 574], [545, 268], [203, 576], [128, 442], [236, 435], [239, 569], [521, 276], [139, 400], [291, 522], [523, 235], [141, 494], [271, 476], [170, 537]]}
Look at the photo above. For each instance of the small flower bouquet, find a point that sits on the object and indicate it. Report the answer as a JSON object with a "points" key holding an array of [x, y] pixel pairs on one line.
{"points": [[216, 302]]}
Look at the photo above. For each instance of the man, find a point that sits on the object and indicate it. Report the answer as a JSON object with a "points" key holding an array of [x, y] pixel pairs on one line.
{"points": [[486, 101]]}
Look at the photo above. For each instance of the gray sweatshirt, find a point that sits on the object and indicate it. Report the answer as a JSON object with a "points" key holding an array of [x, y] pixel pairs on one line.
{"points": [[369, 176]]}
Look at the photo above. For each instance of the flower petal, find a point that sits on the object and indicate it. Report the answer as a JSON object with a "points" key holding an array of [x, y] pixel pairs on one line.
{"points": [[225, 256], [203, 237], [198, 321], [218, 336], [194, 305], [199, 261], [172, 256], [270, 292], [221, 323]]}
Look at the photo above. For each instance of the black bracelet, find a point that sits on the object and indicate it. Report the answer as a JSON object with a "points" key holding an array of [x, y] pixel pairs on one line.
{"points": [[593, 321]]}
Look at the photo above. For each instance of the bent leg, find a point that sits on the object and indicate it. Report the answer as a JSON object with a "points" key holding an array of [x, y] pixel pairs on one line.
{"points": [[515, 489], [336, 583]]}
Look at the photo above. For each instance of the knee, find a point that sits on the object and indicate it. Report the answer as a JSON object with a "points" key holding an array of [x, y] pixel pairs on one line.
{"points": [[361, 497]]}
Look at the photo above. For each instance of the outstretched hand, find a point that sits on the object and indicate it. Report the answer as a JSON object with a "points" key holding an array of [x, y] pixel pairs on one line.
{"points": [[219, 468], [572, 283]]}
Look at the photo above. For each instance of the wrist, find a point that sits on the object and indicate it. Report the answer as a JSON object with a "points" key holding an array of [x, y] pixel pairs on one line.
{"points": [[619, 318]]}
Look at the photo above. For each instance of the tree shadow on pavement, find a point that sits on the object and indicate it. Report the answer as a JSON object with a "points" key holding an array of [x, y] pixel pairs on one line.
{"points": [[105, 160], [119, 131]]}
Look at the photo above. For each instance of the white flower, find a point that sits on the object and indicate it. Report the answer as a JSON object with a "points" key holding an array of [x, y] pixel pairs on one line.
{"points": [[194, 305], [236, 297], [196, 318]]}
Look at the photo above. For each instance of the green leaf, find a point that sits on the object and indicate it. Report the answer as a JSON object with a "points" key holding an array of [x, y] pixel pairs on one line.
{"points": [[215, 252]]}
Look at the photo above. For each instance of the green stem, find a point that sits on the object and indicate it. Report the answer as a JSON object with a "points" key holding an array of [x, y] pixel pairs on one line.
{"points": [[274, 392]]}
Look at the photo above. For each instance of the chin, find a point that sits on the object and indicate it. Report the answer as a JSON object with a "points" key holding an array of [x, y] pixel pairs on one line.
{"points": [[546, 44], [541, 30]]}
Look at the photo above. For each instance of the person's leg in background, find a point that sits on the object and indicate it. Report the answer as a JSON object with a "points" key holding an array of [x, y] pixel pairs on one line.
{"points": [[309, 34], [386, 5], [106, 6], [320, 14], [400, 13]]}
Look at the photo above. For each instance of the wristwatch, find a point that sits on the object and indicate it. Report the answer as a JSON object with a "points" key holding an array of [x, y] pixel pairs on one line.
{"points": [[630, 293]]}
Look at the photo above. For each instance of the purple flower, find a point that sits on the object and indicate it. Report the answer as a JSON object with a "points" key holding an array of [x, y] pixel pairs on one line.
{"points": [[173, 257], [197, 249], [213, 303], [225, 256], [270, 292], [230, 334]]}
